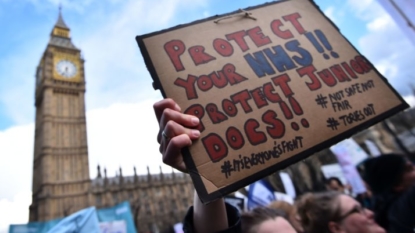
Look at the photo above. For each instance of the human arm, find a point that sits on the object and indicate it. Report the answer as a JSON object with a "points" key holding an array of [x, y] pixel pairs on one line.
{"points": [[176, 131], [209, 218]]}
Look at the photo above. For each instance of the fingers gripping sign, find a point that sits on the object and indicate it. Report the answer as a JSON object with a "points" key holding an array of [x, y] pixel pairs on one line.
{"points": [[176, 131], [165, 136]]}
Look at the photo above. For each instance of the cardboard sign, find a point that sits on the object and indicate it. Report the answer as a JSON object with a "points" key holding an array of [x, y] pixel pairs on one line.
{"points": [[350, 147], [271, 86], [345, 152], [333, 170]]}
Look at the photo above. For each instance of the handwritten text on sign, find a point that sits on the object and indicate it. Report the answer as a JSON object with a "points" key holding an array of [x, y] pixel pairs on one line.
{"points": [[265, 90], [264, 62]]}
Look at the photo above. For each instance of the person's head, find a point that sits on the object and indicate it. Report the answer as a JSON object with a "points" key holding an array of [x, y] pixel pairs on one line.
{"points": [[389, 173], [333, 212], [334, 184], [291, 212], [265, 220]]}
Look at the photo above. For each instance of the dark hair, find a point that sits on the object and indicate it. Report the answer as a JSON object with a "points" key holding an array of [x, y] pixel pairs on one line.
{"points": [[251, 219], [339, 182], [317, 210], [384, 172]]}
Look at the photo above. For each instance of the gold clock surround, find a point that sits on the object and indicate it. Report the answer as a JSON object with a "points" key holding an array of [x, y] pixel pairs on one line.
{"points": [[60, 32], [73, 58]]}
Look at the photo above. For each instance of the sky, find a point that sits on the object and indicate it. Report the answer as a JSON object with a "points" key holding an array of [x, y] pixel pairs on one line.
{"points": [[121, 125]]}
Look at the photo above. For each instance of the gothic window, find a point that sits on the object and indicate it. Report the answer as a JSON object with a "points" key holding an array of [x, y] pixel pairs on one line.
{"points": [[145, 193], [161, 207], [98, 201], [147, 208], [173, 205], [115, 197]]}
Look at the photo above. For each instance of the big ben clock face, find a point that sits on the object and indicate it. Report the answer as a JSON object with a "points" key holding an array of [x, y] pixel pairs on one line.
{"points": [[66, 69]]}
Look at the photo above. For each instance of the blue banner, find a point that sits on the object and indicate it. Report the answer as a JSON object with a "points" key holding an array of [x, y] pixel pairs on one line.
{"points": [[118, 212], [83, 221], [86, 220], [34, 227], [260, 194]]}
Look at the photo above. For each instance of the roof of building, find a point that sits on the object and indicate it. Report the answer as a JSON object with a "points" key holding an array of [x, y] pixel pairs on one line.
{"points": [[139, 179], [59, 41], [62, 42], [60, 23]]}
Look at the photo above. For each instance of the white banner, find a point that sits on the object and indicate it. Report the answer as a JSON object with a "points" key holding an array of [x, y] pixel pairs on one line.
{"points": [[373, 148], [355, 153], [113, 227], [349, 153], [288, 184], [178, 227], [334, 170]]}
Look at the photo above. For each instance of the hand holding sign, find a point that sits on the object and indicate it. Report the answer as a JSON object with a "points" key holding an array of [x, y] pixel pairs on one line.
{"points": [[175, 132]]}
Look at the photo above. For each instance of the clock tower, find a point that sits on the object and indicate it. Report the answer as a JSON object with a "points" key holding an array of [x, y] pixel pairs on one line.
{"points": [[61, 181]]}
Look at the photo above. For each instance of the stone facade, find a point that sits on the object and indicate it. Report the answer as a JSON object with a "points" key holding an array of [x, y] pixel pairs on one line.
{"points": [[157, 201], [61, 184]]}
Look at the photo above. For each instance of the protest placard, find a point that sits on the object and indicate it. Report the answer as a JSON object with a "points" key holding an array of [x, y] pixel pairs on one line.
{"points": [[271, 85], [349, 154]]}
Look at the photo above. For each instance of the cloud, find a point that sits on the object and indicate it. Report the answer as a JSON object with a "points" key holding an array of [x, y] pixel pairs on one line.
{"points": [[15, 211], [78, 6], [120, 74], [365, 9], [330, 12], [410, 99], [124, 135], [386, 46], [16, 159], [16, 166]]}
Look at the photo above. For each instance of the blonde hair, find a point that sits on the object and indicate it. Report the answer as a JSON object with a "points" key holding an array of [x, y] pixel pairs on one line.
{"points": [[291, 212], [283, 205], [317, 210], [250, 220]]}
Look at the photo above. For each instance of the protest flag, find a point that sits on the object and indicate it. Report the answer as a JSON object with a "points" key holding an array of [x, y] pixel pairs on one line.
{"points": [[83, 221], [260, 194]]}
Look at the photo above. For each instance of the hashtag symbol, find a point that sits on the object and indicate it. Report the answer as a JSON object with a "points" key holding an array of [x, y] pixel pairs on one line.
{"points": [[332, 123], [321, 100], [227, 168]]}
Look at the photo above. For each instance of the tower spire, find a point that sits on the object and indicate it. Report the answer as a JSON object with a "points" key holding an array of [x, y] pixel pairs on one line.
{"points": [[60, 35], [60, 23]]}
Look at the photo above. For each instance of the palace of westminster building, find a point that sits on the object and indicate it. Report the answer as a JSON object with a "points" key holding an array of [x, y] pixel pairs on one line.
{"points": [[61, 183]]}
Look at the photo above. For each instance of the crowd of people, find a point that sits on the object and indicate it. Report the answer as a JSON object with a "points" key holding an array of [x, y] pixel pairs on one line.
{"points": [[388, 206]]}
